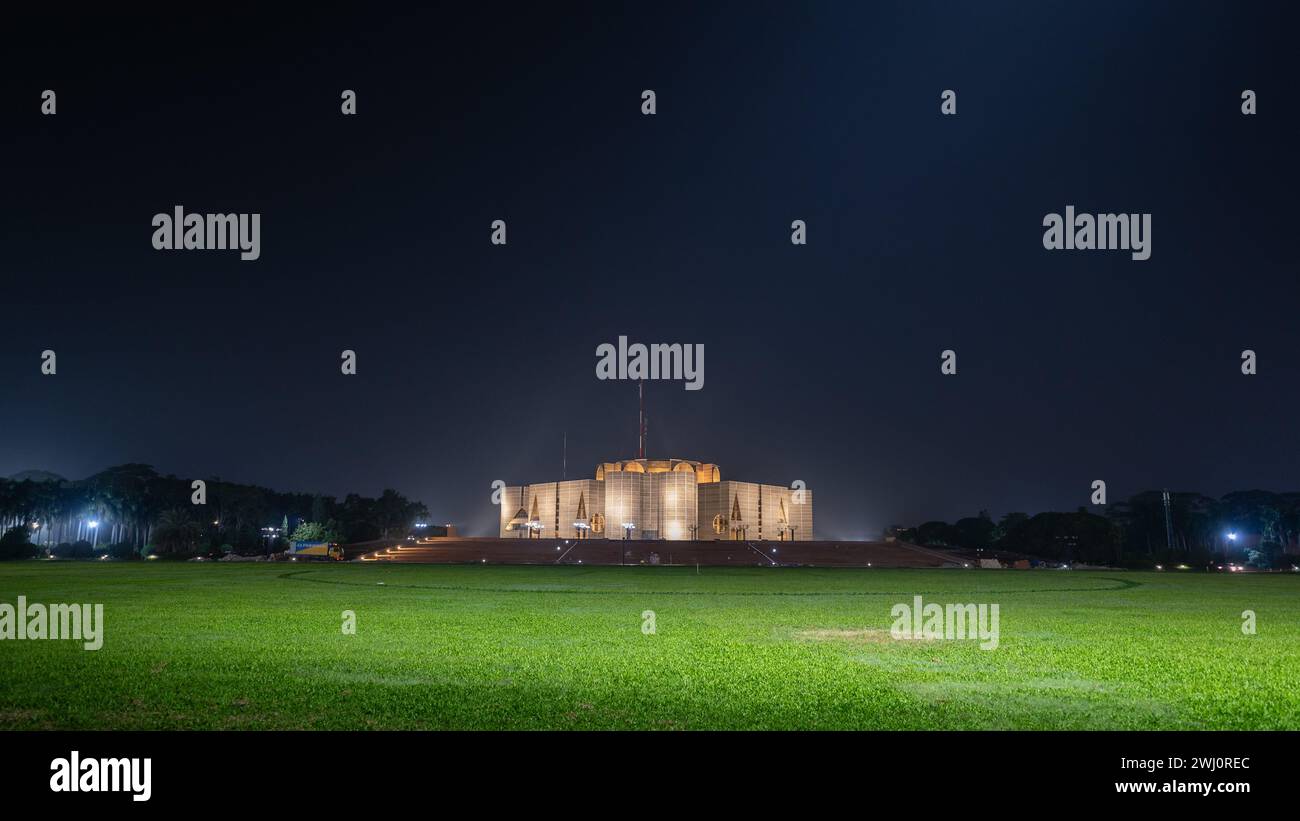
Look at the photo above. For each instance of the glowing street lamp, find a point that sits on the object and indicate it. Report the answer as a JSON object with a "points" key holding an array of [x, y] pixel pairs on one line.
{"points": [[1232, 536], [94, 528]]}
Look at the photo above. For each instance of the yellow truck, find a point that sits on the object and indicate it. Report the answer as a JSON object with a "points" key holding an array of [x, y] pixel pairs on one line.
{"points": [[316, 550]]}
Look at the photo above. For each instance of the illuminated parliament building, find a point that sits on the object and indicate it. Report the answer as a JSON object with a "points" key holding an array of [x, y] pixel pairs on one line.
{"points": [[672, 499]]}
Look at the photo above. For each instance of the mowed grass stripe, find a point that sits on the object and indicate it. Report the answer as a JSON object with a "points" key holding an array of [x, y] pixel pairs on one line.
{"points": [[325, 578]]}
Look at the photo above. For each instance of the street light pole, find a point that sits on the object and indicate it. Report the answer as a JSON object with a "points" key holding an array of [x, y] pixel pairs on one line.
{"points": [[628, 527]]}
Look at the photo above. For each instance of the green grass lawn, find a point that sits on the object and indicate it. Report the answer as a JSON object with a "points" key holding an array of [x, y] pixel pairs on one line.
{"points": [[260, 646]]}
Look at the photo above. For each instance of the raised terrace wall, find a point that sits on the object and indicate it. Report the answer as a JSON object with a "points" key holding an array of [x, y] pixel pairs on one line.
{"points": [[636, 552]]}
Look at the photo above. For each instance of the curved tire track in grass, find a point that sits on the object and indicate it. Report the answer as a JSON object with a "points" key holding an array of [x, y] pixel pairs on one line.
{"points": [[300, 576]]}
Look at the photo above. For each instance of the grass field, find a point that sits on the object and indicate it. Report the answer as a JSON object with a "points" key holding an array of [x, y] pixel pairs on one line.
{"points": [[260, 646]]}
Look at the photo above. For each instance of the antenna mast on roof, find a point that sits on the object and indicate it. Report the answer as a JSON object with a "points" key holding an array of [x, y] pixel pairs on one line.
{"points": [[641, 426]]}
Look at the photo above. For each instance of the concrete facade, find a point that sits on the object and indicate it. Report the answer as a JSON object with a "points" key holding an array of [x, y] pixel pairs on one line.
{"points": [[747, 510], [554, 509], [674, 499]]}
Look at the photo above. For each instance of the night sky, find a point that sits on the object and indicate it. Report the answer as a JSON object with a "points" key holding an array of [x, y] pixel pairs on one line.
{"points": [[821, 362]]}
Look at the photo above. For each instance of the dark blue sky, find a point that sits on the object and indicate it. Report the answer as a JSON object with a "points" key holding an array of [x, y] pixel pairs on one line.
{"points": [[822, 362]]}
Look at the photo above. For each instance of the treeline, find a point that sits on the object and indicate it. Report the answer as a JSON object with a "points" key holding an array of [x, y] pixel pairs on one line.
{"points": [[1255, 527], [132, 510]]}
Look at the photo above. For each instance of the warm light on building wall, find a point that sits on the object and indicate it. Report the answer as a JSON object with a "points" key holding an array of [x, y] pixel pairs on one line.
{"points": [[663, 499]]}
